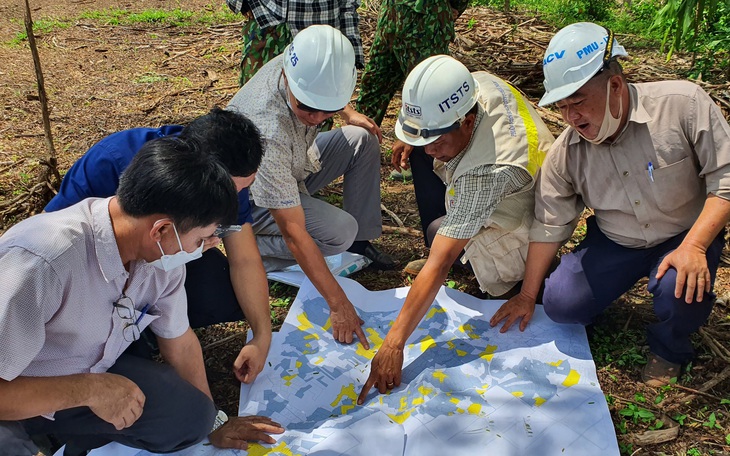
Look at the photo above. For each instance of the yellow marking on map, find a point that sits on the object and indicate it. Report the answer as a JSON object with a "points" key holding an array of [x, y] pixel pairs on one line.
{"points": [[427, 342], [450, 344], [311, 336], [488, 353], [417, 401], [518, 393], [288, 379], [298, 364], [433, 311], [474, 409], [400, 418], [375, 342], [424, 390], [327, 325], [349, 392], [305, 324], [460, 353], [439, 375], [455, 400], [256, 449], [318, 361], [557, 363], [572, 379], [539, 401], [483, 389], [469, 331]]}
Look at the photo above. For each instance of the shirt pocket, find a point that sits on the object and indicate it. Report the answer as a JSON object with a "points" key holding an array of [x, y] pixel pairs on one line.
{"points": [[673, 185], [498, 257]]}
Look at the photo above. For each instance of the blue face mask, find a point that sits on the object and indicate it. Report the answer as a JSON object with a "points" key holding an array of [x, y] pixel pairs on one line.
{"points": [[170, 262]]}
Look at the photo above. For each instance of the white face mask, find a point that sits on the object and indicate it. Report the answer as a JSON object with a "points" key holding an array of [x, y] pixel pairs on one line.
{"points": [[610, 125], [170, 262]]}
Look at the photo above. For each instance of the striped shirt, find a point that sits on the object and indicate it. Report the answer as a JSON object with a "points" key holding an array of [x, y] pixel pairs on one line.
{"points": [[61, 274], [300, 14]]}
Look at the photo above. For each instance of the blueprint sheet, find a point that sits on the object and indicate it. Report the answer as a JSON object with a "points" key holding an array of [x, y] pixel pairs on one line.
{"points": [[466, 390]]}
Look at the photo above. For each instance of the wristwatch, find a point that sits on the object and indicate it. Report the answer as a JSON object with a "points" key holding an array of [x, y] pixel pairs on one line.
{"points": [[220, 419]]}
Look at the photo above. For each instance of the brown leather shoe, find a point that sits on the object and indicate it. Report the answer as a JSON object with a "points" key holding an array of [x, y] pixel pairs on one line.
{"points": [[658, 371], [415, 266]]}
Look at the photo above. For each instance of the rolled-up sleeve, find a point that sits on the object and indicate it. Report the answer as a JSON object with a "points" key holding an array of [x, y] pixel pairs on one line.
{"points": [[557, 206], [711, 138]]}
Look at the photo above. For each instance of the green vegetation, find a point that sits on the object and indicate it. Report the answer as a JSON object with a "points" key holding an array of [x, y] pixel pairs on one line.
{"points": [[700, 28], [40, 26], [115, 16]]}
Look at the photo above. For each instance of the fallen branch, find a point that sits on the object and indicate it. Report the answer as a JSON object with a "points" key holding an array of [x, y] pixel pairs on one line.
{"points": [[716, 347], [224, 340], [392, 215], [401, 230]]}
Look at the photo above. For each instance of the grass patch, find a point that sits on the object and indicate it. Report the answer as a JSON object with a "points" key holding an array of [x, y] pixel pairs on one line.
{"points": [[179, 17]]}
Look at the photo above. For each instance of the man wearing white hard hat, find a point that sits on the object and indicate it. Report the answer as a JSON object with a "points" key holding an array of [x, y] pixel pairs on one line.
{"points": [[653, 162], [487, 142], [288, 99]]}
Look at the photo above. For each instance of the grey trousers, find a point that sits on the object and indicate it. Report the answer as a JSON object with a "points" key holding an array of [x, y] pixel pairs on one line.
{"points": [[176, 414], [351, 152]]}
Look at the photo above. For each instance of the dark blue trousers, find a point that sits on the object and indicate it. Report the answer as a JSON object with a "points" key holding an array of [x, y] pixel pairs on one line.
{"points": [[599, 271], [176, 415], [429, 189]]}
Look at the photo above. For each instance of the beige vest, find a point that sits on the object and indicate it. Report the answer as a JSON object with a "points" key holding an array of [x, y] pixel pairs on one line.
{"points": [[509, 132]]}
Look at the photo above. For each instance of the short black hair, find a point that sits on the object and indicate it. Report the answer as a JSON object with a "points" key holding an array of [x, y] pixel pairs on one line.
{"points": [[230, 137], [174, 177]]}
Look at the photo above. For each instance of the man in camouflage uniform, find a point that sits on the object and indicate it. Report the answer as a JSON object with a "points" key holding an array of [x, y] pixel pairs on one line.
{"points": [[270, 26], [408, 31]]}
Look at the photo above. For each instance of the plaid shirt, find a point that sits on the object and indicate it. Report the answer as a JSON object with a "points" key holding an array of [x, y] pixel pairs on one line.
{"points": [[299, 14]]}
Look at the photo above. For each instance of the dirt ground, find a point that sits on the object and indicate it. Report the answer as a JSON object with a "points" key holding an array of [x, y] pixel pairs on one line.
{"points": [[101, 78]]}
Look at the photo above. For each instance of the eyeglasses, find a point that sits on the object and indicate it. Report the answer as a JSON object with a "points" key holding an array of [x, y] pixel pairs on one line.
{"points": [[307, 108], [124, 307], [224, 230]]}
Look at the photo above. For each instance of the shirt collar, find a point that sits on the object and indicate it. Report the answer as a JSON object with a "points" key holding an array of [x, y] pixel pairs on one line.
{"points": [[105, 243]]}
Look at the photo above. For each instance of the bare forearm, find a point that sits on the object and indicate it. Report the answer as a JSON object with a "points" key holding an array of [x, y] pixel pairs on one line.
{"points": [[28, 397], [419, 299], [249, 281], [185, 355], [539, 257], [444, 252], [712, 219]]}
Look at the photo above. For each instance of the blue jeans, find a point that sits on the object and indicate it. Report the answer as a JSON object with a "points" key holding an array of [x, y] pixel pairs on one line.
{"points": [[599, 271]]}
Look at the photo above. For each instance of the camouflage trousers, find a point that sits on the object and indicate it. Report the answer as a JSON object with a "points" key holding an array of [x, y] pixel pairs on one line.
{"points": [[260, 46], [403, 37]]}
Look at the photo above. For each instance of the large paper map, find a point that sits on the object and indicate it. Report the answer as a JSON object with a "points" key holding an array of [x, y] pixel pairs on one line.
{"points": [[467, 389]]}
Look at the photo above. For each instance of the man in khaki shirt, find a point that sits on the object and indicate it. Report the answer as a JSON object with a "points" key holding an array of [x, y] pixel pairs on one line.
{"points": [[653, 162]]}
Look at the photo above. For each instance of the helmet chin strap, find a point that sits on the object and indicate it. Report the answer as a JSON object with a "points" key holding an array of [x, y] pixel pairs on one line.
{"points": [[610, 124]]}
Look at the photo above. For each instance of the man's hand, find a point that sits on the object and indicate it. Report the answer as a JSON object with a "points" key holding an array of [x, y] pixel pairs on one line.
{"points": [[116, 400], [385, 371], [401, 152], [517, 307], [209, 243], [346, 321], [239, 430], [250, 360], [353, 117], [692, 272]]}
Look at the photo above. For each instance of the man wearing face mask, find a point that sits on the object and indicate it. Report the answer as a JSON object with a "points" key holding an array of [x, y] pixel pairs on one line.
{"points": [[80, 286], [288, 99], [653, 162]]}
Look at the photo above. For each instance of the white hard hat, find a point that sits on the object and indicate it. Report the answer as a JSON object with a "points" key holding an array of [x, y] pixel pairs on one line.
{"points": [[319, 66], [437, 94], [576, 54]]}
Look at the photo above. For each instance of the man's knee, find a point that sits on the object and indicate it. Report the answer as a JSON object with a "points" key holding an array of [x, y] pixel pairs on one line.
{"points": [[568, 298], [366, 144], [339, 235]]}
